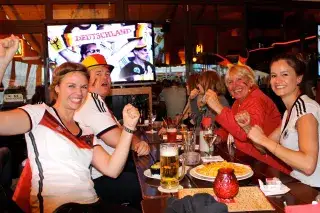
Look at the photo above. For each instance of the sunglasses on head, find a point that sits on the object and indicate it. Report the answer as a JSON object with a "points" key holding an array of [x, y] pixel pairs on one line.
{"points": [[93, 51]]}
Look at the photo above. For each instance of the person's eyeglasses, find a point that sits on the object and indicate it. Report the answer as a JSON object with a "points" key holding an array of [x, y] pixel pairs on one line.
{"points": [[93, 51], [144, 50]]}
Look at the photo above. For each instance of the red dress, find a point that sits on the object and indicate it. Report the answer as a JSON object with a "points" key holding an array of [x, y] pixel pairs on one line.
{"points": [[263, 112]]}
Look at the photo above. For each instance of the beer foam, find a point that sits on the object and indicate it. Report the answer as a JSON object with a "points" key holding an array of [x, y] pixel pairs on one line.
{"points": [[172, 130], [169, 151]]}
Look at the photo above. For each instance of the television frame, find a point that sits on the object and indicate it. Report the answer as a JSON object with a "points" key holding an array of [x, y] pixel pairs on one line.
{"points": [[99, 21]]}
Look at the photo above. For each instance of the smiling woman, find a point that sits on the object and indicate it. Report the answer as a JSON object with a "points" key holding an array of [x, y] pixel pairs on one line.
{"points": [[241, 85], [296, 141], [61, 150]]}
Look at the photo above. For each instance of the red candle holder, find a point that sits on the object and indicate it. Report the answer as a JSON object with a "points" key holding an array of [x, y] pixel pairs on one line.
{"points": [[226, 185]]}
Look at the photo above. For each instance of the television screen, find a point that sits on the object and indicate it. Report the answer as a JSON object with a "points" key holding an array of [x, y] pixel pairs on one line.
{"points": [[126, 46]]}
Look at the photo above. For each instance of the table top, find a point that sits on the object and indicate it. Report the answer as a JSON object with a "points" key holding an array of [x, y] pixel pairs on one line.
{"points": [[155, 201]]}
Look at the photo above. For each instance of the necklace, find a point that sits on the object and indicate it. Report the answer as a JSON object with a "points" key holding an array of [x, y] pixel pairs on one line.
{"points": [[65, 126]]}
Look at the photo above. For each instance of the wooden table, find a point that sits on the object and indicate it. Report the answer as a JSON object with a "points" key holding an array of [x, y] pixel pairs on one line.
{"points": [[155, 201]]}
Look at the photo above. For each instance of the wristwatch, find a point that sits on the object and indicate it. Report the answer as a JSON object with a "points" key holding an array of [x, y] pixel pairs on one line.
{"points": [[127, 129]]}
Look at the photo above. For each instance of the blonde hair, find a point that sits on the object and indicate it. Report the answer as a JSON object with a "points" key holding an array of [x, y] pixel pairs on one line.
{"points": [[211, 80], [241, 71], [61, 71]]}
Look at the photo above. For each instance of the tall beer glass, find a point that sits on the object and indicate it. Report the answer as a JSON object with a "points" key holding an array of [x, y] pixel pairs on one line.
{"points": [[169, 170], [171, 135]]}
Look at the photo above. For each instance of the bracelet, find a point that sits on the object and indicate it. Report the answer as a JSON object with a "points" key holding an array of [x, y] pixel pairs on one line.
{"points": [[128, 130], [274, 152]]}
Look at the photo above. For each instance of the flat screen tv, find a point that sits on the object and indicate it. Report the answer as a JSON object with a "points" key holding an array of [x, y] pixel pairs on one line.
{"points": [[127, 46]]}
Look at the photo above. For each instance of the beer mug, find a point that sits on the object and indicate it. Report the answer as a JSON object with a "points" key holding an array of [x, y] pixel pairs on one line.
{"points": [[171, 134], [169, 166]]}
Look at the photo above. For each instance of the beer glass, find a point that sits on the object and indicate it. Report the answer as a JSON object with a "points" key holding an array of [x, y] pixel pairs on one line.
{"points": [[171, 134], [169, 166]]}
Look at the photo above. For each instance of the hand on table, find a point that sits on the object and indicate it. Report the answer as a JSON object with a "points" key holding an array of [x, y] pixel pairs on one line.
{"points": [[142, 148]]}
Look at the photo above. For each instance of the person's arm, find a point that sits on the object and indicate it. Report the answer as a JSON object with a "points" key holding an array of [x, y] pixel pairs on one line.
{"points": [[222, 133], [227, 118], [113, 165], [14, 122], [112, 137], [306, 158], [275, 135], [9, 124]]}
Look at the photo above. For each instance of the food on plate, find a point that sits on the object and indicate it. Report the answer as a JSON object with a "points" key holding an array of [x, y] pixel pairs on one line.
{"points": [[211, 169], [155, 169]]}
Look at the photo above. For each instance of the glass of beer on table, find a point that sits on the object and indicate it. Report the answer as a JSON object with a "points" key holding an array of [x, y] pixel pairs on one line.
{"points": [[169, 166], [171, 134]]}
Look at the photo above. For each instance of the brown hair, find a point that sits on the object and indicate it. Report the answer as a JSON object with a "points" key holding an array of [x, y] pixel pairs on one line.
{"points": [[211, 80], [61, 71], [242, 71], [192, 81], [296, 61]]}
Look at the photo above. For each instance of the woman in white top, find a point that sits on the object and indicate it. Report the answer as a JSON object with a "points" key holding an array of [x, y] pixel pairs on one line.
{"points": [[59, 149], [297, 140]]}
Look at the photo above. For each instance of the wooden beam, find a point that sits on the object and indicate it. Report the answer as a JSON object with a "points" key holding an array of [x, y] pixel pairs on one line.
{"points": [[21, 27], [13, 14], [22, 2], [201, 12], [120, 10]]}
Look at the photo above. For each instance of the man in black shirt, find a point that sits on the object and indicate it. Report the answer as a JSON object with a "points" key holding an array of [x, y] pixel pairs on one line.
{"points": [[139, 64]]}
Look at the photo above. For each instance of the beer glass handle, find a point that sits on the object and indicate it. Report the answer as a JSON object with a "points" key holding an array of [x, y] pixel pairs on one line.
{"points": [[183, 172]]}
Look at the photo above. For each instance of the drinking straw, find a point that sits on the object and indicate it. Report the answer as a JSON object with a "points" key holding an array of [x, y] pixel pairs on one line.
{"points": [[165, 122]]}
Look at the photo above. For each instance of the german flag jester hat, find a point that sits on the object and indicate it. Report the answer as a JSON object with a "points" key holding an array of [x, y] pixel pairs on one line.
{"points": [[96, 60]]}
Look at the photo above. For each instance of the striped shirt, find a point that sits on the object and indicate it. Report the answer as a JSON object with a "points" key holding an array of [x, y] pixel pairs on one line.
{"points": [[95, 114], [289, 135], [59, 161]]}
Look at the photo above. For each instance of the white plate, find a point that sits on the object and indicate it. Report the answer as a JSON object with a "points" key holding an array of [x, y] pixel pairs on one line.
{"points": [[193, 173], [238, 176], [148, 174]]}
